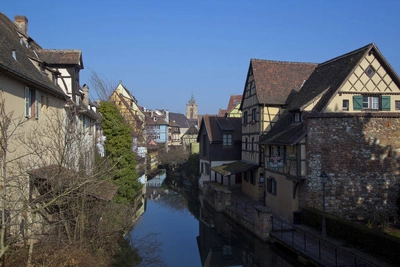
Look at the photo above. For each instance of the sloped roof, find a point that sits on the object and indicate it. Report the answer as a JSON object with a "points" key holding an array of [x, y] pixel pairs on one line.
{"points": [[233, 101], [275, 80], [222, 112], [234, 167], [103, 190], [192, 130], [61, 57], [324, 82], [155, 120], [56, 175], [216, 126], [179, 119], [284, 132], [327, 78], [21, 67]]}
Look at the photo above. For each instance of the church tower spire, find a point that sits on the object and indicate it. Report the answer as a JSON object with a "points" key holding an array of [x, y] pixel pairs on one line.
{"points": [[191, 108]]}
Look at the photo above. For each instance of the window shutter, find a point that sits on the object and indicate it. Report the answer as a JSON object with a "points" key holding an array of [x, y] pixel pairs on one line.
{"points": [[385, 103], [357, 102], [37, 105], [27, 102]]}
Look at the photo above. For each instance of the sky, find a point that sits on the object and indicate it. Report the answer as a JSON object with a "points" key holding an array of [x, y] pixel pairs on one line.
{"points": [[164, 51]]}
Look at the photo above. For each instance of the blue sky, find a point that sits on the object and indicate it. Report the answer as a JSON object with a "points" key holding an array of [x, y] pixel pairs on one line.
{"points": [[163, 50]]}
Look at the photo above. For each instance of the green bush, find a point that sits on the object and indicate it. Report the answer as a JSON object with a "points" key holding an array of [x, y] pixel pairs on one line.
{"points": [[372, 241]]}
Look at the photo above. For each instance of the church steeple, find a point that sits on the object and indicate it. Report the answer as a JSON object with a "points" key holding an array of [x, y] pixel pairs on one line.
{"points": [[191, 108]]}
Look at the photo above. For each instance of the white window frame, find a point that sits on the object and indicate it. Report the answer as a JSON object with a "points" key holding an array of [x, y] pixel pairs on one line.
{"points": [[371, 102]]}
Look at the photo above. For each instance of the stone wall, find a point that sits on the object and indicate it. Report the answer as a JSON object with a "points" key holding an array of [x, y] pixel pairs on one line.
{"points": [[361, 155]]}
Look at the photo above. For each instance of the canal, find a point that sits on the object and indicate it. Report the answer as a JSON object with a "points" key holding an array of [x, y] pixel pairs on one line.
{"points": [[177, 230]]}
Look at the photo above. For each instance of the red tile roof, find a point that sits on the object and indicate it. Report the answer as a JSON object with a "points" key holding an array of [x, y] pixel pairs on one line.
{"points": [[275, 80]]}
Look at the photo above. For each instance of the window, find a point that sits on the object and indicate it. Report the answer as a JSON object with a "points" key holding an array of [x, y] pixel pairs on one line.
{"points": [[370, 102], [245, 117], [271, 186], [297, 117], [31, 103], [397, 104], [245, 143], [370, 71], [345, 105], [227, 139], [261, 178], [252, 144], [253, 114]]}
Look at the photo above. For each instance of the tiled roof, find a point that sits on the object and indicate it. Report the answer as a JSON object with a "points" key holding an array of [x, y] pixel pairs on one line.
{"points": [[180, 119], [222, 112], [103, 190], [233, 101], [155, 120], [22, 67], [275, 80], [323, 83], [56, 175], [61, 57], [192, 130], [327, 78], [215, 126], [284, 132]]}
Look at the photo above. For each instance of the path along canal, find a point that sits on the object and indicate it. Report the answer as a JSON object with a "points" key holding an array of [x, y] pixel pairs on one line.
{"points": [[176, 230]]}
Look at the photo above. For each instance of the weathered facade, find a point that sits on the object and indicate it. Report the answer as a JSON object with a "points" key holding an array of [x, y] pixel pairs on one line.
{"points": [[268, 85], [343, 121]]}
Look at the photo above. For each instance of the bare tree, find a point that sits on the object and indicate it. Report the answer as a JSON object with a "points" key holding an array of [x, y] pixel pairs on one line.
{"points": [[102, 86]]}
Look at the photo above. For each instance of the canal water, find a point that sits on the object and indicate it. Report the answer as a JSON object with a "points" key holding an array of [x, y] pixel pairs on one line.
{"points": [[176, 229]]}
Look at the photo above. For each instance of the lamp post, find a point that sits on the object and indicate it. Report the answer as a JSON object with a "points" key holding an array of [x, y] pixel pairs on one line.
{"points": [[324, 179]]}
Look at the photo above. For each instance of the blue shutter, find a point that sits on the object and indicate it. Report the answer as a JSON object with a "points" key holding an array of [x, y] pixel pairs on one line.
{"points": [[385, 103], [358, 102], [27, 102]]}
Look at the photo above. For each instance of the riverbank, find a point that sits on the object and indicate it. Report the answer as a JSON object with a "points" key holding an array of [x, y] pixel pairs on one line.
{"points": [[247, 212]]}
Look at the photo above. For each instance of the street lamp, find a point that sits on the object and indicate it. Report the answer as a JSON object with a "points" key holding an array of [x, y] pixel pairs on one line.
{"points": [[324, 179]]}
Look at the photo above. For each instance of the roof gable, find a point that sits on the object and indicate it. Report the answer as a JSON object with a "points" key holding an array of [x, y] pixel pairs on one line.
{"points": [[329, 77], [215, 126]]}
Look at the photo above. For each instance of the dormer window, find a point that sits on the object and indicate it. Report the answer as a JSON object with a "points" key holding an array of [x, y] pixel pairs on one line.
{"points": [[297, 117]]}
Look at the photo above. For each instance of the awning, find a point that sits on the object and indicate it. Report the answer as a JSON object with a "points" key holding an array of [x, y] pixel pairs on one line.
{"points": [[234, 167]]}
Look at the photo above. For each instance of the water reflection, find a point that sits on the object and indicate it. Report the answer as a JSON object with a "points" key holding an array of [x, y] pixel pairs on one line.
{"points": [[177, 230], [222, 242]]}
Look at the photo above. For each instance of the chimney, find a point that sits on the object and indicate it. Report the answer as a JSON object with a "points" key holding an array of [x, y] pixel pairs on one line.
{"points": [[22, 23], [167, 115], [85, 100]]}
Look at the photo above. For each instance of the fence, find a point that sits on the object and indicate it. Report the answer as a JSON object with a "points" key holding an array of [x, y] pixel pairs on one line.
{"points": [[314, 246]]}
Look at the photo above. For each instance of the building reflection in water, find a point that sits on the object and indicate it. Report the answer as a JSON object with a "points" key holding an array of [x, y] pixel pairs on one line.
{"points": [[222, 242]]}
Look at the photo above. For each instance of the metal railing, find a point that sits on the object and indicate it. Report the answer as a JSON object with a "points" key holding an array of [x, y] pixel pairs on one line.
{"points": [[313, 245]]}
